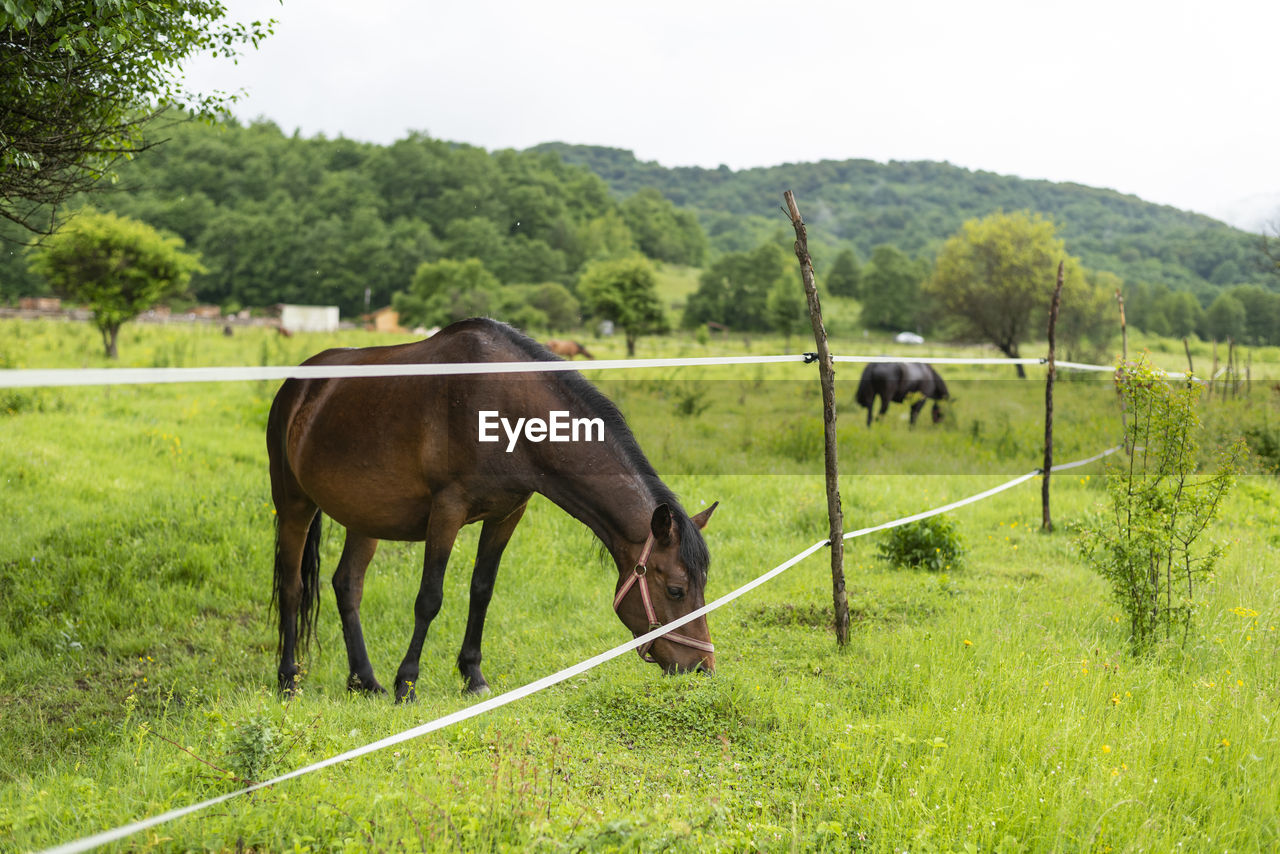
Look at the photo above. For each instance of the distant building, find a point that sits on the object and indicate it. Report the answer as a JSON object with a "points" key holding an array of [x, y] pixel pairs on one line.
{"points": [[385, 320], [308, 318]]}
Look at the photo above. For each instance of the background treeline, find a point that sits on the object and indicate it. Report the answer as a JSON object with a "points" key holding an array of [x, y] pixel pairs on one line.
{"points": [[280, 218]]}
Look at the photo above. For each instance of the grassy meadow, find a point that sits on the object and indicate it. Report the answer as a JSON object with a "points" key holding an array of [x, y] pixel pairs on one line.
{"points": [[991, 707]]}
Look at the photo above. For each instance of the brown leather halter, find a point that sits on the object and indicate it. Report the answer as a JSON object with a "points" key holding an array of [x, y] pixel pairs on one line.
{"points": [[638, 574]]}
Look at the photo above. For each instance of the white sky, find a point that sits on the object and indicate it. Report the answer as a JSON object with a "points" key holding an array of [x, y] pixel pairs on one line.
{"points": [[1177, 102]]}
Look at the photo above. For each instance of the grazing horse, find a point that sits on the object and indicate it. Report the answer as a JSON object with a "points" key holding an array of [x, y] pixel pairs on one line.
{"points": [[417, 457], [567, 349], [893, 381]]}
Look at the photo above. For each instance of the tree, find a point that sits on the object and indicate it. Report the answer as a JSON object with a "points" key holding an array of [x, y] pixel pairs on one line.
{"points": [[624, 290], [891, 290], [662, 231], [994, 278], [447, 290], [1087, 318], [786, 308], [735, 289], [1225, 318], [118, 266], [79, 78], [845, 277]]}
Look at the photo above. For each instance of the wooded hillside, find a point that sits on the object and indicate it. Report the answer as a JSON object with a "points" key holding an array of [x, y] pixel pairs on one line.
{"points": [[917, 205]]}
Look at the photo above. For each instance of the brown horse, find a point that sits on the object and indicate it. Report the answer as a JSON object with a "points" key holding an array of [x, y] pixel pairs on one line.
{"points": [[418, 457], [567, 349]]}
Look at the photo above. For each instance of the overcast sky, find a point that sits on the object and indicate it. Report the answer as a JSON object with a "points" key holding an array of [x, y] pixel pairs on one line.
{"points": [[1176, 102]]}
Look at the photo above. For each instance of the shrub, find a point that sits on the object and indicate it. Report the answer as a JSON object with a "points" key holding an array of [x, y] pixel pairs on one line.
{"points": [[932, 543], [1144, 541]]}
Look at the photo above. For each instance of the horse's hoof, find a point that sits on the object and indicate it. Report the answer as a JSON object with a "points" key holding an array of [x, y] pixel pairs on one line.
{"points": [[405, 693], [477, 690], [356, 685]]}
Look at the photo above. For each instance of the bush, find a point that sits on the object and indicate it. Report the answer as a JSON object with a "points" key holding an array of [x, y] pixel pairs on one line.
{"points": [[1145, 541], [932, 543]]}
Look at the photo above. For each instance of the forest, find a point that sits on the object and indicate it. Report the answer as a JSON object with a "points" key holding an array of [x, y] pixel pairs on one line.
{"points": [[283, 218]]}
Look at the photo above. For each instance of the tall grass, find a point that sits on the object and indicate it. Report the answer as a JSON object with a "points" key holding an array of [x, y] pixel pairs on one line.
{"points": [[993, 707]]}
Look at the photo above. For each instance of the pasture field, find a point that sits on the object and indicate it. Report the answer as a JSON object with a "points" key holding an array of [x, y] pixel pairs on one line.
{"points": [[991, 707]]}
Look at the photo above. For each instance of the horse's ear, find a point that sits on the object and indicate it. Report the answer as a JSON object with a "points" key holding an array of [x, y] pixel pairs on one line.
{"points": [[662, 525], [705, 516]]}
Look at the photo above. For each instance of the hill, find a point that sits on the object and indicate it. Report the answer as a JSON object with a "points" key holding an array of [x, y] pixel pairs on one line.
{"points": [[917, 205]]}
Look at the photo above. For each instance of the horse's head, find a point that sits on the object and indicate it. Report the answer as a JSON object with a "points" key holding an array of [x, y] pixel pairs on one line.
{"points": [[666, 582]]}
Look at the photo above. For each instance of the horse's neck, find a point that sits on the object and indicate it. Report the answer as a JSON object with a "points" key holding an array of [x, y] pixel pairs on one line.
{"points": [[616, 507]]}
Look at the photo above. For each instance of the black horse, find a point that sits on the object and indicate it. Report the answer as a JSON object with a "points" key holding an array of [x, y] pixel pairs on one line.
{"points": [[893, 381]]}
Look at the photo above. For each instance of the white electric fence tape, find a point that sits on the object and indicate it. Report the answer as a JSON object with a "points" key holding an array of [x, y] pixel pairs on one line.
{"points": [[137, 376], [41, 377], [89, 842]]}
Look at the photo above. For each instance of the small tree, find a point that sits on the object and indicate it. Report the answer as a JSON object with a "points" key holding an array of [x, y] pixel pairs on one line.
{"points": [[845, 276], [1145, 542], [993, 279], [786, 308], [119, 267], [447, 290], [625, 291]]}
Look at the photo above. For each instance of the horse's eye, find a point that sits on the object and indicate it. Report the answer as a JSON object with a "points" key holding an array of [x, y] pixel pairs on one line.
{"points": [[675, 592]]}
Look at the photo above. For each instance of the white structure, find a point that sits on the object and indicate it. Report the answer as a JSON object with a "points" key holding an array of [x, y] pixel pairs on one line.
{"points": [[309, 318]]}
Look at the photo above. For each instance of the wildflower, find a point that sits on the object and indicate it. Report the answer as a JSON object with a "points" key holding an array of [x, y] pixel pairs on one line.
{"points": [[1106, 748], [968, 642], [1225, 742]]}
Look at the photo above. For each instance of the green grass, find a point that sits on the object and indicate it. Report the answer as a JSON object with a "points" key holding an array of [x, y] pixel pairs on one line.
{"points": [[993, 707]]}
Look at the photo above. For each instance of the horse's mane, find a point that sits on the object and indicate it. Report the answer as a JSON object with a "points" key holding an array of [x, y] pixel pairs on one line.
{"points": [[693, 548]]}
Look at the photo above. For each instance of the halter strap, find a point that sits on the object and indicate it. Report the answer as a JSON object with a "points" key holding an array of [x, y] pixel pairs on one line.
{"points": [[638, 574]]}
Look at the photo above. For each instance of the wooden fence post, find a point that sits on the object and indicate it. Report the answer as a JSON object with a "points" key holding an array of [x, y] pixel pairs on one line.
{"points": [[826, 374], [1046, 523]]}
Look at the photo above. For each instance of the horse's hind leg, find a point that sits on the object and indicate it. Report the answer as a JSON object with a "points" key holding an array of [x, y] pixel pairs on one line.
{"points": [[494, 536], [295, 521], [443, 525], [348, 586], [916, 407]]}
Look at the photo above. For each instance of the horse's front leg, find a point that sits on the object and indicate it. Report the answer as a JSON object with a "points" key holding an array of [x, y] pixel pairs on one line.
{"points": [[348, 587], [442, 530], [494, 536]]}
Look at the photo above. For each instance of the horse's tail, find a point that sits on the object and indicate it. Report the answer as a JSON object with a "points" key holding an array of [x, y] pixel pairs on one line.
{"points": [[866, 395], [583, 351], [310, 602]]}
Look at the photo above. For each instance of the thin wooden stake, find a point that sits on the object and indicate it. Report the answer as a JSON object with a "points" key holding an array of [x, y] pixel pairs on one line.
{"points": [[826, 374], [1124, 330], [1213, 375], [1191, 369], [1046, 523]]}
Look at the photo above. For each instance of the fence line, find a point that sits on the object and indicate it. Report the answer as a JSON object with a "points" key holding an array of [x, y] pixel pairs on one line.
{"points": [[63, 377], [89, 842]]}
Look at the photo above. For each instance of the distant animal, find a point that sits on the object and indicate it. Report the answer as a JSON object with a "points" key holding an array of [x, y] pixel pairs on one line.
{"points": [[413, 458], [893, 381], [283, 332], [567, 349]]}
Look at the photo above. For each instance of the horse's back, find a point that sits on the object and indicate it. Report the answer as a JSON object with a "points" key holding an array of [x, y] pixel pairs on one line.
{"points": [[351, 444]]}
